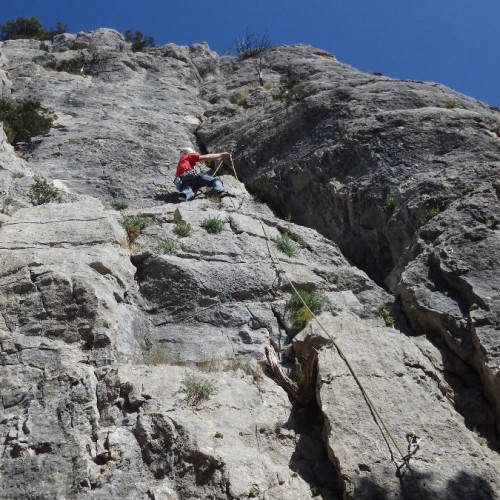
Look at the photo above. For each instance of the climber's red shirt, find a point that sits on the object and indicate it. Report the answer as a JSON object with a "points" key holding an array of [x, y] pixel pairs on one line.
{"points": [[187, 162]]}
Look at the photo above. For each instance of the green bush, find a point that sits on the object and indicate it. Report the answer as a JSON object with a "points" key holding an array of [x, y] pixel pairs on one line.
{"points": [[285, 243], [166, 246], [197, 388], [28, 27], [119, 203], [42, 192], [290, 92], [212, 225], [74, 65], [491, 223], [314, 300], [300, 314], [386, 315], [183, 229], [429, 214], [138, 40], [389, 203], [134, 224], [22, 121]]}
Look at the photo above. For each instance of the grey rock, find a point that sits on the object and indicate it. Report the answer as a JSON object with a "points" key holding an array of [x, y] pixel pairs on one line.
{"points": [[99, 334]]}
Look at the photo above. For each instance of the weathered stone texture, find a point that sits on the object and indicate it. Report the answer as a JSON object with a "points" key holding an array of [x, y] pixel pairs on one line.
{"points": [[100, 336]]}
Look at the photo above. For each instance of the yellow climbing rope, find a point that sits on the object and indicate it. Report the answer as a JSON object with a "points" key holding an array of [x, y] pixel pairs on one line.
{"points": [[404, 457]]}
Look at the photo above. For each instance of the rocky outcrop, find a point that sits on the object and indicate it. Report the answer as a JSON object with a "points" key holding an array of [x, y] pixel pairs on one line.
{"points": [[134, 366]]}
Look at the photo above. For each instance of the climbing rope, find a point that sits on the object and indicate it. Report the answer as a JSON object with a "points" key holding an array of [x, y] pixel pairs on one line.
{"points": [[413, 440]]}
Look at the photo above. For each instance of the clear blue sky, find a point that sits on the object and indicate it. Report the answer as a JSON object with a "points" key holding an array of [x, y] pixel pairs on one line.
{"points": [[453, 42]]}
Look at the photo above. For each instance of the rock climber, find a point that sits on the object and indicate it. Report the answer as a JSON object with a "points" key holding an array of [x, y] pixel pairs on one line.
{"points": [[188, 181]]}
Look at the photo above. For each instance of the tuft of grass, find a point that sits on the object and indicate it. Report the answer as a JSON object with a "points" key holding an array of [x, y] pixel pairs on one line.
{"points": [[42, 192], [134, 225], [386, 315], [183, 229], [300, 314], [450, 104], [491, 223], [166, 246], [314, 300], [300, 319], [197, 389], [429, 214], [315, 491], [290, 92], [277, 427], [239, 98], [212, 225], [389, 203], [158, 357], [254, 492], [119, 203], [285, 243]]}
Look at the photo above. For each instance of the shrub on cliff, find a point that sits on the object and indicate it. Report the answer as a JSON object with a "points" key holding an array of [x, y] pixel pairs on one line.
{"points": [[301, 314], [42, 192], [138, 40], [28, 27], [22, 121]]}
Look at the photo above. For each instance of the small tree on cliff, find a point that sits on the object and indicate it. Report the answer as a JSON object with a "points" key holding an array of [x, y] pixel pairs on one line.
{"points": [[28, 27], [138, 40]]}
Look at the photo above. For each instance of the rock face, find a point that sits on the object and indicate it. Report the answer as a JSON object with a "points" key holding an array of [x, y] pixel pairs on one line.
{"points": [[133, 363]]}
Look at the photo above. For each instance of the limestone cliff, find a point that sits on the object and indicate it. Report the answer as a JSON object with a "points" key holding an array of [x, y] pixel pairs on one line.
{"points": [[133, 365]]}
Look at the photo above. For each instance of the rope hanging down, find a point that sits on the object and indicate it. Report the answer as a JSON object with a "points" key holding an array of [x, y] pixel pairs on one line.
{"points": [[405, 457]]}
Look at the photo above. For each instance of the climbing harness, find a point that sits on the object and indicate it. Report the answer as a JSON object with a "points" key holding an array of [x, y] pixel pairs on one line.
{"points": [[412, 439]]}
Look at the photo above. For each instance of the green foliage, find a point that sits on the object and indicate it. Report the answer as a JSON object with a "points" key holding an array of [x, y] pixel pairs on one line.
{"points": [[119, 203], [134, 225], [314, 300], [429, 214], [389, 203], [386, 315], [491, 223], [197, 388], [290, 92], [28, 27], [254, 492], [24, 120], [451, 104], [166, 246], [300, 319], [212, 225], [183, 229], [285, 243], [301, 315], [74, 65], [42, 192], [138, 40], [315, 491], [239, 99]]}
